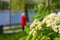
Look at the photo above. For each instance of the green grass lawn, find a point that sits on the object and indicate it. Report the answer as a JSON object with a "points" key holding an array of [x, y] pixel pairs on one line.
{"points": [[15, 36]]}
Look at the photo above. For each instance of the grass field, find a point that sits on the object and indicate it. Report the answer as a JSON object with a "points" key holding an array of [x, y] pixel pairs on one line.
{"points": [[15, 36]]}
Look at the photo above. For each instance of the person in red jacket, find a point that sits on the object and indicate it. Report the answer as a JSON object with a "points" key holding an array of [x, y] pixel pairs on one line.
{"points": [[23, 21]]}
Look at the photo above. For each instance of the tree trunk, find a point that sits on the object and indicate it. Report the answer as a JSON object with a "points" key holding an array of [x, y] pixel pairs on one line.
{"points": [[49, 6], [26, 12]]}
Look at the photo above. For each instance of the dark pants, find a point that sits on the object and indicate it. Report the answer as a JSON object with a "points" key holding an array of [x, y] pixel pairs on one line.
{"points": [[22, 28]]}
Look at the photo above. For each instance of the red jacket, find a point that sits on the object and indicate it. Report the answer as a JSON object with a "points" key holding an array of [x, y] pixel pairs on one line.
{"points": [[23, 20]]}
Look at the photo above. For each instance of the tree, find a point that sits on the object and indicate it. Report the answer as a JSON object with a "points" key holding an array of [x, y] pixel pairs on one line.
{"points": [[3, 5], [56, 4], [24, 5]]}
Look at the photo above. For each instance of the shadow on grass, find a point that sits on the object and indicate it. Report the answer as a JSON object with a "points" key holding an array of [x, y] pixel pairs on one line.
{"points": [[14, 36]]}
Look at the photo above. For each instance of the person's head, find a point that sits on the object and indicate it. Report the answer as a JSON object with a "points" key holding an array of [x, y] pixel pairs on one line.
{"points": [[23, 13]]}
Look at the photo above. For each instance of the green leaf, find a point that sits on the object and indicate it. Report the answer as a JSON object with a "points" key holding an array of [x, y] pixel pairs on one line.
{"points": [[57, 38]]}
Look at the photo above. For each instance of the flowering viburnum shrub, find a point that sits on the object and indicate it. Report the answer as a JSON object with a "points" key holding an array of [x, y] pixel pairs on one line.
{"points": [[35, 23], [34, 27], [52, 20]]}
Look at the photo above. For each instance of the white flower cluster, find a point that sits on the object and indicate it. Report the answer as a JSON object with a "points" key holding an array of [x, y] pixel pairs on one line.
{"points": [[35, 23], [53, 21], [34, 27], [33, 32]]}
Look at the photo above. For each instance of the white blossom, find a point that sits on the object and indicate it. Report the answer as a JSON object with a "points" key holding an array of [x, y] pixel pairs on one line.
{"points": [[35, 23], [34, 33], [58, 13], [31, 32], [49, 23], [38, 27]]}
